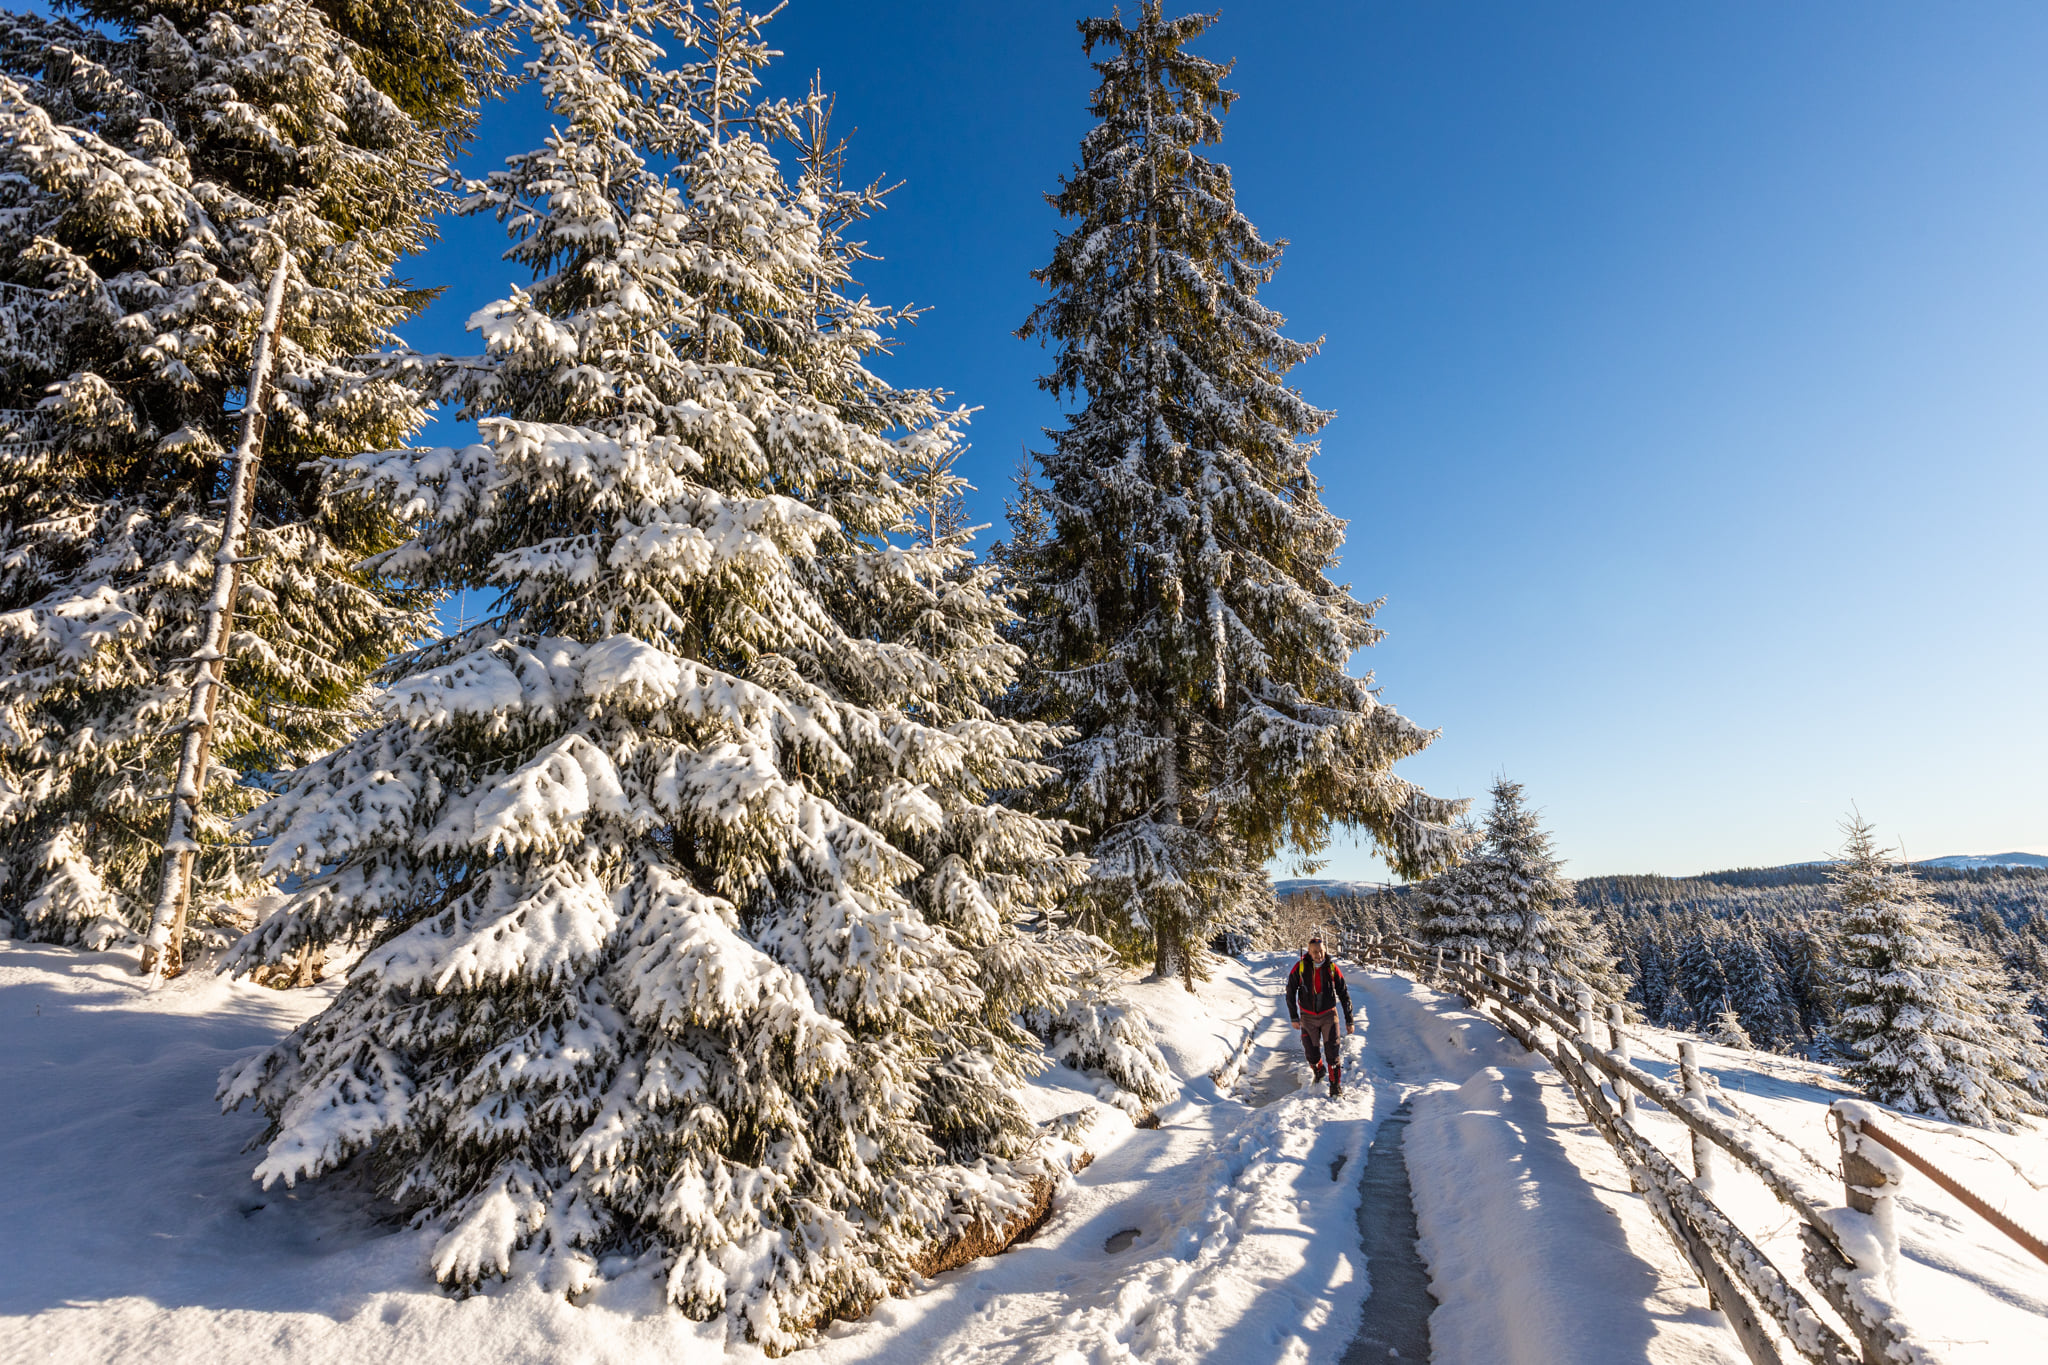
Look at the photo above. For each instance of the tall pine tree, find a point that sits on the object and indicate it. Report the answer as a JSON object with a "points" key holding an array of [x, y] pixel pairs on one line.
{"points": [[1756, 990], [154, 160], [1926, 1024], [1180, 614], [695, 930]]}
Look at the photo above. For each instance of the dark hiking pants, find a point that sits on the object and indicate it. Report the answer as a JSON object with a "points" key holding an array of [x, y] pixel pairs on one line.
{"points": [[1319, 1035]]}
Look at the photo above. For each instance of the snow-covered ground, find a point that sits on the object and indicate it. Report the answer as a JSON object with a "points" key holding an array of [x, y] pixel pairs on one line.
{"points": [[130, 1229], [1538, 1250], [1967, 1292]]}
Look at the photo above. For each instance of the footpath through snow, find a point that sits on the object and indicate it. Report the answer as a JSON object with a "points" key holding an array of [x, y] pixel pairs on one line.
{"points": [[131, 1231], [1538, 1250]]}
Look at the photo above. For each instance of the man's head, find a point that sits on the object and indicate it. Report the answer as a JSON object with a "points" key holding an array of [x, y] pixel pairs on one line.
{"points": [[1315, 947]]}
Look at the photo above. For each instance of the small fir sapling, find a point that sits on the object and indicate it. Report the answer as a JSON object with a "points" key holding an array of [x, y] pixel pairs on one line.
{"points": [[1099, 1032], [1728, 1030]]}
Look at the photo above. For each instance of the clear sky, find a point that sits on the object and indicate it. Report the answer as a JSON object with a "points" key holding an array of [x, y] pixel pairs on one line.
{"points": [[1690, 366]]}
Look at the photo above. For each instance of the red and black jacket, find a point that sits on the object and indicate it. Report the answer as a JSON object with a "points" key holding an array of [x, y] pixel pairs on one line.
{"points": [[1313, 989]]}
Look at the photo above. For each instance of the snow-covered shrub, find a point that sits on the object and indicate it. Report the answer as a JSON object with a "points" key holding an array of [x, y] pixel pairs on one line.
{"points": [[154, 159], [694, 917], [1099, 1031]]}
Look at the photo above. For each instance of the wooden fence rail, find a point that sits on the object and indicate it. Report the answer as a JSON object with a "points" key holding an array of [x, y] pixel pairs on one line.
{"points": [[1974, 1202], [1843, 1258]]}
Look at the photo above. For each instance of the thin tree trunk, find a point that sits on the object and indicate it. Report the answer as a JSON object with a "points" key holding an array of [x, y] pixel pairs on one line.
{"points": [[1170, 930], [163, 947]]}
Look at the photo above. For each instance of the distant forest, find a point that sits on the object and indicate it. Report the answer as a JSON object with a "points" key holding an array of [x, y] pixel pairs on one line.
{"points": [[1760, 941]]}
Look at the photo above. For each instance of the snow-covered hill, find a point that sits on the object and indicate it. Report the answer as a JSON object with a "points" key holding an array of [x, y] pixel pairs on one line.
{"points": [[1229, 1232], [1323, 886], [1972, 860]]}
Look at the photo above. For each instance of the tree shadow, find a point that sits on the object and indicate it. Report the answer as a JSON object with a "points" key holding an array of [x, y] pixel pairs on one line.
{"points": [[128, 1182]]}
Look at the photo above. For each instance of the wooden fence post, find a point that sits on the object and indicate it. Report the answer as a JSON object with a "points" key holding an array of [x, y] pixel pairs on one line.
{"points": [[1862, 1183], [1618, 1049], [1585, 1000], [1867, 1187], [1870, 1189], [1696, 1090]]}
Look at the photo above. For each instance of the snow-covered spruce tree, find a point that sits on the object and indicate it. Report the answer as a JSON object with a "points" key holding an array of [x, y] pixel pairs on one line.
{"points": [[1926, 1025], [987, 865], [1448, 911], [154, 158], [1653, 972], [2030, 965], [1510, 898], [1727, 1029], [1701, 979], [1756, 991], [693, 927], [1808, 958], [1179, 612]]}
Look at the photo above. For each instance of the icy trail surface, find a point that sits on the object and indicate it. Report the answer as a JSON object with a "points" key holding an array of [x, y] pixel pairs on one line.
{"points": [[131, 1231]]}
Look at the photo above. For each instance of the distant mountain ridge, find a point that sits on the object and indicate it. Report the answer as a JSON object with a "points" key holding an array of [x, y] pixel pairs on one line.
{"points": [[1987, 860], [1295, 886]]}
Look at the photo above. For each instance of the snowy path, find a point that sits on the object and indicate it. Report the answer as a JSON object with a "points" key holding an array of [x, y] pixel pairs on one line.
{"points": [[129, 1229], [1246, 1245], [1397, 1311], [1538, 1250]]}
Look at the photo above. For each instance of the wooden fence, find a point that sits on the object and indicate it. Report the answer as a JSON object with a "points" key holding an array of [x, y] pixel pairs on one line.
{"points": [[1848, 1250]]}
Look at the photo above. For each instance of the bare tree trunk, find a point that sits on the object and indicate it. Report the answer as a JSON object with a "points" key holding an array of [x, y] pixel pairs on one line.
{"points": [[163, 947]]}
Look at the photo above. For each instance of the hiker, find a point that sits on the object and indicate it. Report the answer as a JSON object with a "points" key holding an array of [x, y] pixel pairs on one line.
{"points": [[1315, 988]]}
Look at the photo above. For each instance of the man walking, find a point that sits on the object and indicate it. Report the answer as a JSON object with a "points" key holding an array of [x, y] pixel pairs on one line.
{"points": [[1315, 988]]}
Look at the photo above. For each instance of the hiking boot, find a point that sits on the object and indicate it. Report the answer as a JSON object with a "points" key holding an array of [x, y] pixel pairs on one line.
{"points": [[1336, 1085], [1319, 1073]]}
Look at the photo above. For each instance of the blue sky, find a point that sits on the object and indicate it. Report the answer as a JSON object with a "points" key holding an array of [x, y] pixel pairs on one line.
{"points": [[1690, 367]]}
